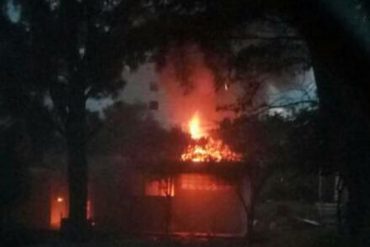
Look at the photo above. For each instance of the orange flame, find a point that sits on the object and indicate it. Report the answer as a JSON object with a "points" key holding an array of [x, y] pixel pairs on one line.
{"points": [[206, 149], [194, 127]]}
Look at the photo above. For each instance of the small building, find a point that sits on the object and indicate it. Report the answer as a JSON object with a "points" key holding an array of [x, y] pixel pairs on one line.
{"points": [[186, 198], [175, 198]]}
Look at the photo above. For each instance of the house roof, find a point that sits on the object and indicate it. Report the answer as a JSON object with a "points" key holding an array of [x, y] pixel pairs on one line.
{"points": [[225, 168]]}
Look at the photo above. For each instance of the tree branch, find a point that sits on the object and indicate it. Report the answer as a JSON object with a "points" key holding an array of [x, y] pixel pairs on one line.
{"points": [[268, 38]]}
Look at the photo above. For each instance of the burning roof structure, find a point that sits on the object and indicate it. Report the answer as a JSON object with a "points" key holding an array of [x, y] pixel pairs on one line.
{"points": [[205, 148], [195, 195]]}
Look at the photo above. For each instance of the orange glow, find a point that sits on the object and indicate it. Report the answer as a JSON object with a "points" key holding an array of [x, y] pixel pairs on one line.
{"points": [[58, 211], [206, 148], [202, 182], [160, 187], [89, 212], [194, 127]]}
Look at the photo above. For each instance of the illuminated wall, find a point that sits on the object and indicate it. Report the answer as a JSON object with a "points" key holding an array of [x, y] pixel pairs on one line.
{"points": [[193, 203], [206, 205], [59, 207]]}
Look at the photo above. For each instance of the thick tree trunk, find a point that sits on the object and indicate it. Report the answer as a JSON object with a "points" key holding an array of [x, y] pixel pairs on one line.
{"points": [[358, 183], [348, 136], [76, 224], [341, 66]]}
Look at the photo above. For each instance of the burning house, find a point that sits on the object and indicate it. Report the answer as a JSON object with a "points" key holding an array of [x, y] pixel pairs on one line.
{"points": [[200, 194], [204, 192], [191, 199]]}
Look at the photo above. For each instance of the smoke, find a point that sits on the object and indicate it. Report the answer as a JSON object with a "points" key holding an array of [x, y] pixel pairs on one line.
{"points": [[189, 88]]}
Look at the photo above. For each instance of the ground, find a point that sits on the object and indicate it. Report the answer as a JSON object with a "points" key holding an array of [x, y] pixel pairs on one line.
{"points": [[276, 226], [296, 238]]}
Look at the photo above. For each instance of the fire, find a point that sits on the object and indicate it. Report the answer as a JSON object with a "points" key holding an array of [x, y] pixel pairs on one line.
{"points": [[206, 149], [194, 127]]}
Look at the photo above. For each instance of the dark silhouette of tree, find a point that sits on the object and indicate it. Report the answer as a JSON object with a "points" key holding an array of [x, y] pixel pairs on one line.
{"points": [[13, 176], [73, 51], [276, 145], [263, 141], [129, 130], [341, 60], [24, 122]]}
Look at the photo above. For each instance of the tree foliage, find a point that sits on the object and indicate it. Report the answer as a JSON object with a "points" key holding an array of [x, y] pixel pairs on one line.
{"points": [[130, 131], [285, 153], [66, 52]]}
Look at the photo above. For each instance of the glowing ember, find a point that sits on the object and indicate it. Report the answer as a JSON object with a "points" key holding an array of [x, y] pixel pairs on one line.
{"points": [[206, 148]]}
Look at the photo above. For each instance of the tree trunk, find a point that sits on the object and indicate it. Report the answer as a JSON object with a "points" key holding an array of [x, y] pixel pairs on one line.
{"points": [[76, 227], [349, 140], [341, 66], [239, 193], [248, 206], [358, 205], [339, 203], [250, 221]]}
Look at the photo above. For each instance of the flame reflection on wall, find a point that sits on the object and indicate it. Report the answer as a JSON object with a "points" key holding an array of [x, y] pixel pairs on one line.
{"points": [[59, 210], [160, 187], [203, 182]]}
